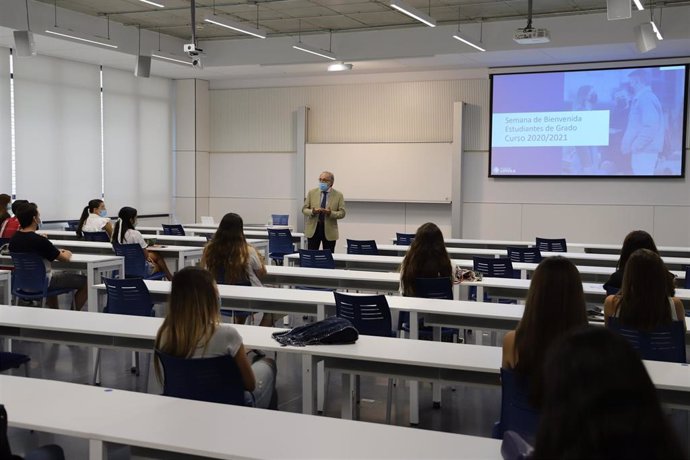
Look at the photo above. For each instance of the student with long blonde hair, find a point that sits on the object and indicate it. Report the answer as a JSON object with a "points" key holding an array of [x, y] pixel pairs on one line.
{"points": [[192, 329]]}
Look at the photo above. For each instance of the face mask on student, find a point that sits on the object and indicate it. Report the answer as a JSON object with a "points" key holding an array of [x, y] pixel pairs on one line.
{"points": [[103, 213], [323, 186]]}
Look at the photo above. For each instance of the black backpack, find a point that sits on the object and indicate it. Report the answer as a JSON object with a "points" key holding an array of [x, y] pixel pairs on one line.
{"points": [[330, 331]]}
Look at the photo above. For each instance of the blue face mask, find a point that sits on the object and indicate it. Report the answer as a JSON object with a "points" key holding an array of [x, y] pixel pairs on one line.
{"points": [[323, 186], [103, 213]]}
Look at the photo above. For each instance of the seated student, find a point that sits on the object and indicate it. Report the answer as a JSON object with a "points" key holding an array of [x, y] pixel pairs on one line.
{"points": [[10, 226], [599, 403], [644, 301], [426, 258], [554, 305], [637, 239], [94, 218], [125, 233], [192, 329], [27, 240], [232, 260], [4, 202]]}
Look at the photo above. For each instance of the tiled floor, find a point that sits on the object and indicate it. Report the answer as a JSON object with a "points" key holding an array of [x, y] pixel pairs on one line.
{"points": [[465, 409]]}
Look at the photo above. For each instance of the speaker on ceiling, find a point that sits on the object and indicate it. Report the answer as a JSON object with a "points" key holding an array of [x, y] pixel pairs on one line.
{"points": [[618, 9], [143, 68], [24, 43], [646, 39]]}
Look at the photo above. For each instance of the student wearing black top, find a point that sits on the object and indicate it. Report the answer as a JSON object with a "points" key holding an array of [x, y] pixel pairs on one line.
{"points": [[26, 240]]}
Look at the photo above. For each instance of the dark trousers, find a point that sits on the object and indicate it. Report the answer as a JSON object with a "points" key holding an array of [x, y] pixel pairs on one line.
{"points": [[320, 237]]}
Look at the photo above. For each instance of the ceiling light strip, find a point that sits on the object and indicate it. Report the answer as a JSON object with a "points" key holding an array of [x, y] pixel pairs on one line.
{"points": [[413, 13], [153, 3], [638, 4], [656, 30], [315, 51], [72, 36], [236, 26], [170, 58], [467, 42]]}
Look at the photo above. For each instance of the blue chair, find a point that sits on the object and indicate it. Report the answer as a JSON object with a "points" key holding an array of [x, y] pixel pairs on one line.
{"points": [[173, 229], [311, 258], [528, 255], [429, 288], [216, 379], [96, 236], [611, 290], [279, 244], [126, 297], [686, 285], [242, 314], [500, 267], [29, 278], [72, 225], [665, 343], [279, 219], [135, 262], [363, 247], [517, 414], [370, 315], [4, 241], [404, 239], [9, 360], [551, 244]]}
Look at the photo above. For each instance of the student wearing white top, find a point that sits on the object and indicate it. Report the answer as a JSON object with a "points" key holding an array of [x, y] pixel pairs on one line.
{"points": [[94, 218], [192, 329], [125, 233]]}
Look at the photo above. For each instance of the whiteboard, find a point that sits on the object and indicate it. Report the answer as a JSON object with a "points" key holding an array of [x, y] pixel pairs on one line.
{"points": [[408, 172]]}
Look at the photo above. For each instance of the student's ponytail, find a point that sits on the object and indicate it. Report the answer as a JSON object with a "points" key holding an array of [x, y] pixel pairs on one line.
{"points": [[82, 219]]}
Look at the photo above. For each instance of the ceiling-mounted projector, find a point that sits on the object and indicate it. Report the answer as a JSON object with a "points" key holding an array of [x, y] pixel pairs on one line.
{"points": [[530, 36]]}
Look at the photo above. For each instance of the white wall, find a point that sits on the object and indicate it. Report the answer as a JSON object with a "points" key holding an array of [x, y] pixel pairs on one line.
{"points": [[252, 137]]}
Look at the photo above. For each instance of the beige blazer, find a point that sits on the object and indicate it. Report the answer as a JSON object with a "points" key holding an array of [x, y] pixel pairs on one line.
{"points": [[336, 203]]}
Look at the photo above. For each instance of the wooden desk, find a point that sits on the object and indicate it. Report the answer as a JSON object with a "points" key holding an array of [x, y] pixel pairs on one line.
{"points": [[197, 428]]}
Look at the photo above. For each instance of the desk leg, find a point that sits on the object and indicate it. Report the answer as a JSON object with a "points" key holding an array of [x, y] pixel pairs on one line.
{"points": [[414, 385], [349, 399], [8, 291], [181, 262], [436, 386], [91, 276], [320, 372], [480, 294], [308, 384], [523, 274], [97, 450]]}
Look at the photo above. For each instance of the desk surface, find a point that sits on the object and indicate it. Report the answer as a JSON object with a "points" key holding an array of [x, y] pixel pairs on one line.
{"points": [[199, 428], [77, 245], [77, 258]]}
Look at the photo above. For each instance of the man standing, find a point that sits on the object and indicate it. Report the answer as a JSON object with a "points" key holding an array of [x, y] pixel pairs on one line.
{"points": [[644, 135], [323, 206], [26, 240]]}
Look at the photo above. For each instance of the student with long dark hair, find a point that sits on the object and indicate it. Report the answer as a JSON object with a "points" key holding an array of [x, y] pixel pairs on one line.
{"points": [[192, 329], [555, 304], [232, 260], [599, 403], [94, 218], [126, 233], [637, 239], [644, 302], [426, 258]]}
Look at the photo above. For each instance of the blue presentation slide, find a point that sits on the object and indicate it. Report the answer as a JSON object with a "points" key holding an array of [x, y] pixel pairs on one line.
{"points": [[612, 122]]}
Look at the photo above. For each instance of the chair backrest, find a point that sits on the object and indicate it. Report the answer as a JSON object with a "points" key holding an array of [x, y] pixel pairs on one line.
{"points": [[364, 247], [500, 267], [4, 241], [72, 225], [96, 236], [29, 274], [280, 241], [280, 219], [665, 343], [404, 239], [173, 229], [529, 255], [135, 261], [517, 414], [551, 244], [686, 285], [128, 297], [316, 258], [216, 379], [434, 288], [611, 290], [369, 314]]}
